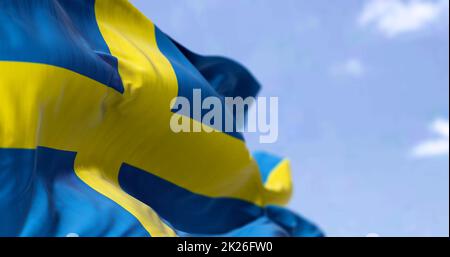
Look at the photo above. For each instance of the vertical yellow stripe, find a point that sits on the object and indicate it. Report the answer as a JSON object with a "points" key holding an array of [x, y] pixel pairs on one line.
{"points": [[127, 45]]}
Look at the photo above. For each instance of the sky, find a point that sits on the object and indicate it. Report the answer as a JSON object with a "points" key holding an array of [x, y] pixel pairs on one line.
{"points": [[363, 89]]}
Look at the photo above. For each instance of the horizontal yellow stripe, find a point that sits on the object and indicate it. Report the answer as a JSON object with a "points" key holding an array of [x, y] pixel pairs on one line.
{"points": [[42, 105]]}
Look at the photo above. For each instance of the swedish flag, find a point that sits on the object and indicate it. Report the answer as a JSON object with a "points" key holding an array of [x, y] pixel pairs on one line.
{"points": [[85, 143]]}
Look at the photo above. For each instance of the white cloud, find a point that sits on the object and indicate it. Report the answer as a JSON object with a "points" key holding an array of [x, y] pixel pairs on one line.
{"points": [[352, 67], [438, 146], [393, 17]]}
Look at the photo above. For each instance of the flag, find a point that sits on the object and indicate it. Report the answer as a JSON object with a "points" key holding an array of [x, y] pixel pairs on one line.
{"points": [[85, 143]]}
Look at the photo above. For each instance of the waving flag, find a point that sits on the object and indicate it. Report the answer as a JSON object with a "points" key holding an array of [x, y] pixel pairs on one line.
{"points": [[85, 143]]}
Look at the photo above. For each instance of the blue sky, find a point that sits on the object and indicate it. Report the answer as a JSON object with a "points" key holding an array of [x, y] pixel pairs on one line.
{"points": [[363, 89]]}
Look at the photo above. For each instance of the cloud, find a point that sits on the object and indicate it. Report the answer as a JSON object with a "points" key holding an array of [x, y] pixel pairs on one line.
{"points": [[435, 147], [352, 67], [394, 17]]}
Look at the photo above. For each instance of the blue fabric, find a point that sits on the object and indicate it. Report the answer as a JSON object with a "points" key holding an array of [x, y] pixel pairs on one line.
{"points": [[41, 196], [195, 215], [61, 33], [52, 201], [215, 76], [186, 210]]}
